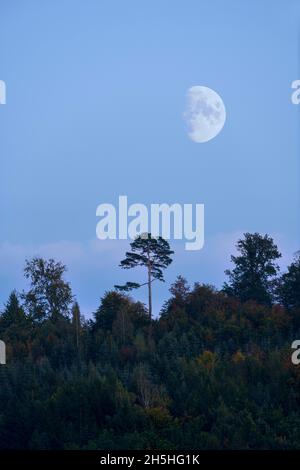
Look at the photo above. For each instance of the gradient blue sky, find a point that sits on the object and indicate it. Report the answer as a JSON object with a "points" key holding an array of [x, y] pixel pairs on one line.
{"points": [[95, 99]]}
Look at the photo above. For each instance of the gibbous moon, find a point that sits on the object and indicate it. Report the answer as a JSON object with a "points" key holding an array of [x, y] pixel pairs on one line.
{"points": [[205, 113]]}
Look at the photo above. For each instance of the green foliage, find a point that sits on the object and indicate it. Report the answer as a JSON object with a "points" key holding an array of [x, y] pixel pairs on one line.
{"points": [[289, 285], [255, 269], [152, 253], [49, 295], [149, 251], [213, 372], [15, 328]]}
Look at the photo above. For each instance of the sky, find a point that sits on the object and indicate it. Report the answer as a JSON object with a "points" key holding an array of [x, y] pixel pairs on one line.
{"points": [[95, 100]]}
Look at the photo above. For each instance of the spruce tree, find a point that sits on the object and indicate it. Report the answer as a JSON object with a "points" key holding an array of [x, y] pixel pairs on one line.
{"points": [[289, 285]]}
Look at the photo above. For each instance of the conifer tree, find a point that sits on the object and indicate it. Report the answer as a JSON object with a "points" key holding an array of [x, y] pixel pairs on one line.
{"points": [[152, 253], [289, 285], [13, 315], [76, 320]]}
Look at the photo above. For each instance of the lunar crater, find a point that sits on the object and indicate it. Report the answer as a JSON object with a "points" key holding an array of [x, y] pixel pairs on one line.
{"points": [[205, 114]]}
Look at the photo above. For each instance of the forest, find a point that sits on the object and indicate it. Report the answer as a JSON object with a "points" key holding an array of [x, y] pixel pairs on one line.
{"points": [[212, 371]]}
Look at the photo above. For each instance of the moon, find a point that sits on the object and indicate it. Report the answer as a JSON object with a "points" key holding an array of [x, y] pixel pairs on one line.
{"points": [[205, 113]]}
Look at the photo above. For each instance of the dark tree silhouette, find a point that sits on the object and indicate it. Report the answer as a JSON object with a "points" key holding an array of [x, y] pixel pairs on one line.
{"points": [[49, 294], [180, 289], [76, 320], [210, 373], [13, 314], [289, 285], [152, 253], [255, 269]]}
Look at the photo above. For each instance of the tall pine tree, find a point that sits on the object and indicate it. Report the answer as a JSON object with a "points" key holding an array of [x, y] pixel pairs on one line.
{"points": [[152, 253]]}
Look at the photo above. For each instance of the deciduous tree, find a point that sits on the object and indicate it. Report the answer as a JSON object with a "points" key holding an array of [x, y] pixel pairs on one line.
{"points": [[49, 295], [255, 269]]}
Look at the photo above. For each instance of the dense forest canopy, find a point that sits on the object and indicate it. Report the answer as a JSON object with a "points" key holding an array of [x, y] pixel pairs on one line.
{"points": [[212, 371]]}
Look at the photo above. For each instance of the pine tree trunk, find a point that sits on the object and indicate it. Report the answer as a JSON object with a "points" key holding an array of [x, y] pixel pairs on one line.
{"points": [[77, 329], [149, 290], [76, 323]]}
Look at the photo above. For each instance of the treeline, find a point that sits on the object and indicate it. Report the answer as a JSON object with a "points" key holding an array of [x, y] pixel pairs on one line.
{"points": [[213, 371]]}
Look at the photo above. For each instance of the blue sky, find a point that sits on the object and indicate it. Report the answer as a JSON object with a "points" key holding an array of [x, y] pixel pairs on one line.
{"points": [[96, 92]]}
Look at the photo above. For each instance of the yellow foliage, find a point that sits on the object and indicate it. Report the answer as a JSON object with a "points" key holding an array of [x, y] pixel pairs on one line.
{"points": [[238, 357], [159, 415], [207, 359]]}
